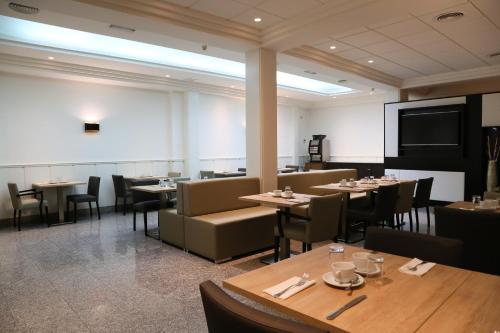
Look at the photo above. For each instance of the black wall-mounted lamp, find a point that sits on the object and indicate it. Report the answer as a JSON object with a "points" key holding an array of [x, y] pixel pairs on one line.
{"points": [[91, 127]]}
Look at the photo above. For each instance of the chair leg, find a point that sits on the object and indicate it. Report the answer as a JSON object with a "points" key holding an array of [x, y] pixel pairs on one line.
{"points": [[428, 220], [47, 215], [304, 247], [74, 212], [135, 214], [276, 248], [145, 223], [116, 204], [417, 222], [41, 213], [124, 205], [67, 207], [15, 217], [398, 221], [90, 208], [309, 247], [19, 221], [411, 220], [98, 210]]}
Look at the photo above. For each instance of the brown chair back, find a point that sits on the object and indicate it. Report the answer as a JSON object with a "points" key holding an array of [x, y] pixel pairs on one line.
{"points": [[225, 314], [325, 218], [405, 199], [440, 250], [14, 191]]}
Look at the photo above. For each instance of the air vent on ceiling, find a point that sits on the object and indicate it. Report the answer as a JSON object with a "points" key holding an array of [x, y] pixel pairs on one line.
{"points": [[451, 16], [23, 9], [496, 54], [310, 72], [342, 81], [121, 27]]}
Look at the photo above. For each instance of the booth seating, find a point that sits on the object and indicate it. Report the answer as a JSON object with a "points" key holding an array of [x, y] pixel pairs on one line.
{"points": [[211, 221], [301, 182]]}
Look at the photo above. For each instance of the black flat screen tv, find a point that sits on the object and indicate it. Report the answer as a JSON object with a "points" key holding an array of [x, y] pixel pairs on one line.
{"points": [[430, 127]]}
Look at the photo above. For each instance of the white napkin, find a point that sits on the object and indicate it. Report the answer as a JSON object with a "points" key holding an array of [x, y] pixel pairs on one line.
{"points": [[285, 284], [300, 200], [421, 269]]}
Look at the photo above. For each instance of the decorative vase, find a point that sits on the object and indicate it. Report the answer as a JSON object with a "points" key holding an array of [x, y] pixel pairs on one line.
{"points": [[491, 177]]}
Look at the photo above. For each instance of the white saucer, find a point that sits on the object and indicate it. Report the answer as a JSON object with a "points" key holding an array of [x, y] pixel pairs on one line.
{"points": [[288, 197], [330, 280], [375, 271]]}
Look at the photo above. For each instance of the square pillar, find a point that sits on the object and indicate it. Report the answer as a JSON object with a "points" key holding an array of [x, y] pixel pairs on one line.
{"points": [[261, 117]]}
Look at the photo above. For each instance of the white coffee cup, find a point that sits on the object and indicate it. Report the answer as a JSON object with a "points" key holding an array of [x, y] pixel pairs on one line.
{"points": [[343, 271], [287, 194], [343, 182], [277, 193], [362, 263]]}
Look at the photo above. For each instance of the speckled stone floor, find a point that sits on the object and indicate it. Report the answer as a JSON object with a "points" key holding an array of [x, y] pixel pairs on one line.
{"points": [[101, 276]]}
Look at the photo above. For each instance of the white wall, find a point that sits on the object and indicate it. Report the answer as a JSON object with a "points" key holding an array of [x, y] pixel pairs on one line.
{"points": [[491, 109], [355, 130]]}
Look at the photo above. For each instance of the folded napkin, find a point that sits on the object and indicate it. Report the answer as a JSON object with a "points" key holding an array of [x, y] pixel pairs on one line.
{"points": [[421, 269], [300, 200], [285, 284]]}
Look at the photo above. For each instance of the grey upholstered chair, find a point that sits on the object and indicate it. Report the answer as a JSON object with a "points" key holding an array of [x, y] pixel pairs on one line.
{"points": [[173, 174], [405, 202], [121, 192], [207, 174], [226, 315], [321, 224], [91, 196], [20, 203], [144, 202], [446, 251]]}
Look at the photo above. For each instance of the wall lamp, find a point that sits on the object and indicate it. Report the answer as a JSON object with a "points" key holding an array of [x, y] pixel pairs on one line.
{"points": [[91, 128]]}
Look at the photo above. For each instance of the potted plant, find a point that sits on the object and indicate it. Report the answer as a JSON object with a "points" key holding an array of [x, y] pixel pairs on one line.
{"points": [[493, 150]]}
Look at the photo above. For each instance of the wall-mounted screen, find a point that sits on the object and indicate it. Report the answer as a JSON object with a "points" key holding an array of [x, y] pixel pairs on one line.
{"points": [[430, 127]]}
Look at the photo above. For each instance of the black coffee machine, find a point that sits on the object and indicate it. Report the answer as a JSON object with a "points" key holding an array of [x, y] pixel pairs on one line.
{"points": [[319, 148]]}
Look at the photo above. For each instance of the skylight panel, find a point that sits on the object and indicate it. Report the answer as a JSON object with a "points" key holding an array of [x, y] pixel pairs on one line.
{"points": [[74, 40]]}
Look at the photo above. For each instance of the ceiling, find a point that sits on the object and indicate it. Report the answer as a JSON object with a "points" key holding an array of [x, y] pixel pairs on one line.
{"points": [[404, 43]]}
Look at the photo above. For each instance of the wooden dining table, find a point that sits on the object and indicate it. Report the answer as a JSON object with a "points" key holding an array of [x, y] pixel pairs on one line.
{"points": [[467, 205], [59, 185], [445, 299]]}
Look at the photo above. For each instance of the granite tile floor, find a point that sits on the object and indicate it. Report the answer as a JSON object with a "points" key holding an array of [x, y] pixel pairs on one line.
{"points": [[101, 276]]}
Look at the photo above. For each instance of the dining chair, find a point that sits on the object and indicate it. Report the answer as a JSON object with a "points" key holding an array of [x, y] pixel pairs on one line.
{"points": [[144, 202], [321, 224], [380, 213], [242, 169], [172, 174], [422, 199], [478, 230], [224, 314], [92, 195], [405, 202], [121, 192], [20, 203], [441, 250], [205, 174]]}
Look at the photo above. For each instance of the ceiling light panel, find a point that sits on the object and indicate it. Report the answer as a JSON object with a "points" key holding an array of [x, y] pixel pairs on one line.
{"points": [[14, 29]]}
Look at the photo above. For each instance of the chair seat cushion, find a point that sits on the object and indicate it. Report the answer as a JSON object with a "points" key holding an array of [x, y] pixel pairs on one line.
{"points": [[81, 197], [146, 206], [295, 229], [231, 216], [32, 203]]}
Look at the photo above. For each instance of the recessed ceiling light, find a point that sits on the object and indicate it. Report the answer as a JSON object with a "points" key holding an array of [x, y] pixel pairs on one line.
{"points": [[232, 87], [310, 72], [370, 61], [342, 81], [334, 97], [372, 91], [448, 17], [257, 19], [51, 58], [332, 47], [167, 75]]}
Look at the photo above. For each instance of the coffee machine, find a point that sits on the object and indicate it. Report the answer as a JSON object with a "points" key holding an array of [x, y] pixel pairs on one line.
{"points": [[319, 148]]}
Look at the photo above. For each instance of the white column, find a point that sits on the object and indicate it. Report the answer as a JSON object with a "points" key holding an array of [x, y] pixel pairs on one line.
{"points": [[190, 134], [261, 117]]}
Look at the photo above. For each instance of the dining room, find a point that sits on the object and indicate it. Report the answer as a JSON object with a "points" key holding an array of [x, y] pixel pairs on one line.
{"points": [[249, 166]]}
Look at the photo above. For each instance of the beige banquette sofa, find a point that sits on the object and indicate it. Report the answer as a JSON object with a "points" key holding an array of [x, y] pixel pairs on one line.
{"points": [[212, 222]]}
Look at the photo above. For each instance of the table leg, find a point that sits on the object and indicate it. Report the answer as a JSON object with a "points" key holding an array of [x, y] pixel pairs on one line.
{"points": [[346, 197], [285, 242], [60, 204]]}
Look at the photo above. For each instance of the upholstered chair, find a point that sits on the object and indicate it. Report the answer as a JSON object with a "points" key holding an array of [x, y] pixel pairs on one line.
{"points": [[27, 199], [121, 192], [92, 195], [405, 202]]}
